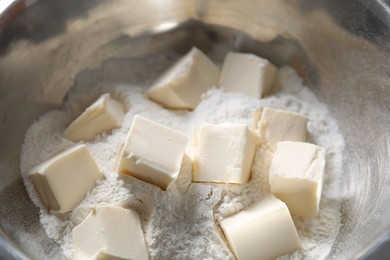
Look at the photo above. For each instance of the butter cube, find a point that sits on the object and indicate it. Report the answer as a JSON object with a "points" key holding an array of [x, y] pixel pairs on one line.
{"points": [[248, 74], [296, 176], [265, 230], [277, 125], [182, 86], [152, 153], [110, 233], [104, 114], [224, 153], [64, 180]]}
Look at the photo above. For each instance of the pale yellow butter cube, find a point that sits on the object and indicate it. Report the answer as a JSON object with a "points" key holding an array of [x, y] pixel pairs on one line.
{"points": [[110, 233], [296, 176], [224, 153], [248, 74], [275, 125], [152, 153], [64, 180], [104, 114], [265, 230], [182, 86]]}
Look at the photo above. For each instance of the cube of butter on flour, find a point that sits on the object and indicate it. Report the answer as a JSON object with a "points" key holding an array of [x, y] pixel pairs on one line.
{"points": [[296, 176], [265, 230], [64, 180], [248, 74], [277, 125], [153, 153], [109, 233], [182, 86], [104, 114], [224, 153]]}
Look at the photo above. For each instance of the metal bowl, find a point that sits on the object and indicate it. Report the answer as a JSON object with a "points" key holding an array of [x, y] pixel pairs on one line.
{"points": [[340, 48]]}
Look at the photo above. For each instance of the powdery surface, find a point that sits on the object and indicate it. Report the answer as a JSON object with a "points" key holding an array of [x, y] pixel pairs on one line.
{"points": [[180, 223]]}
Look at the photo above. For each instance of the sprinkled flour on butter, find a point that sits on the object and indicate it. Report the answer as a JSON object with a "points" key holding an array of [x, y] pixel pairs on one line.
{"points": [[182, 222]]}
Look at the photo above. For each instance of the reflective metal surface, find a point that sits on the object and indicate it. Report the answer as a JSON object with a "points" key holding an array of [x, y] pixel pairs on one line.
{"points": [[341, 48]]}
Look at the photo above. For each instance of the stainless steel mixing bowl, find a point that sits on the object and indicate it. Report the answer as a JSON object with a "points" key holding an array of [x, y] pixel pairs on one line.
{"points": [[340, 48]]}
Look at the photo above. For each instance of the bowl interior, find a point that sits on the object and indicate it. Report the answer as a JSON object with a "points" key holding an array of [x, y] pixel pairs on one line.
{"points": [[340, 52]]}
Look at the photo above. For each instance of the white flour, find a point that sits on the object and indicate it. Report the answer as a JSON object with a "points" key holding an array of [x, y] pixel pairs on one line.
{"points": [[180, 223]]}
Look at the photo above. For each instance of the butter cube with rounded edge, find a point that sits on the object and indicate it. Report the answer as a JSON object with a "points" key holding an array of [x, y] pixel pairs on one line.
{"points": [[224, 153], [110, 232], [104, 114], [248, 74], [265, 230], [64, 180], [276, 125], [296, 176], [182, 85], [153, 153]]}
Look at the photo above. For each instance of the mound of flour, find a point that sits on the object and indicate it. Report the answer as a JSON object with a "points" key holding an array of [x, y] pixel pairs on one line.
{"points": [[182, 222]]}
